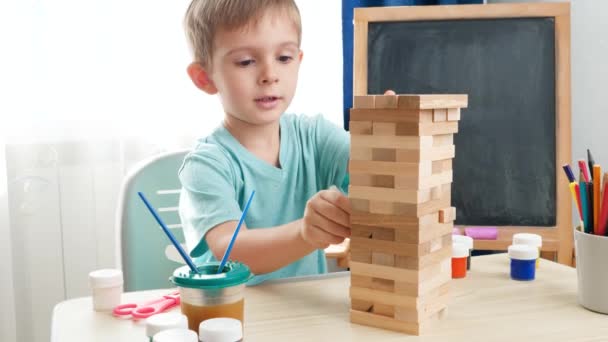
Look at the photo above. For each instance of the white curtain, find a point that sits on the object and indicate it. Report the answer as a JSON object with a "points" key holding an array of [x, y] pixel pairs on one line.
{"points": [[87, 89]]}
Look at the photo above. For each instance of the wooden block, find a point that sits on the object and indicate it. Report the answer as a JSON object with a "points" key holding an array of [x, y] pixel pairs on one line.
{"points": [[423, 287], [361, 305], [443, 139], [417, 263], [382, 297], [401, 222], [371, 232], [440, 115], [391, 115], [393, 142], [384, 128], [439, 166], [360, 127], [364, 101], [383, 259], [359, 204], [383, 310], [426, 311], [453, 114], [386, 101], [436, 192], [361, 153], [381, 207], [423, 183], [361, 179], [379, 321], [360, 255], [389, 195], [432, 101], [425, 233], [447, 215], [387, 168], [400, 248], [361, 281], [384, 154], [433, 153]]}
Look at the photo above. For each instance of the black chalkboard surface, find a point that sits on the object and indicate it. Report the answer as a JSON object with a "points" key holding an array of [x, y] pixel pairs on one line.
{"points": [[504, 170]]}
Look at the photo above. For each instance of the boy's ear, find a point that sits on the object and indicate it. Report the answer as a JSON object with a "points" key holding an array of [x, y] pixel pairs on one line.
{"points": [[301, 55], [200, 78]]}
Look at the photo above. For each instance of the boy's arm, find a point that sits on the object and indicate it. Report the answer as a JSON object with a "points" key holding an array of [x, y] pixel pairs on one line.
{"points": [[264, 250]]}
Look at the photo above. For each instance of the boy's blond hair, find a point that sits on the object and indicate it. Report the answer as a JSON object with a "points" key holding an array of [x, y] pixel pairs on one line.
{"points": [[205, 17]]}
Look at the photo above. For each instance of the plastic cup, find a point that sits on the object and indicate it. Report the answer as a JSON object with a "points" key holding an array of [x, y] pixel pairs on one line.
{"points": [[467, 241], [460, 252], [533, 240], [523, 262], [220, 330], [210, 295], [592, 274]]}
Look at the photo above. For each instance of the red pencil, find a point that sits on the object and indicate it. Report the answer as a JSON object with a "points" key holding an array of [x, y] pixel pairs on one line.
{"points": [[601, 226], [583, 166]]}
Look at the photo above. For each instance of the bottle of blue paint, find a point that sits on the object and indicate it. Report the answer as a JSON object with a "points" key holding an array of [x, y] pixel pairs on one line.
{"points": [[523, 262]]}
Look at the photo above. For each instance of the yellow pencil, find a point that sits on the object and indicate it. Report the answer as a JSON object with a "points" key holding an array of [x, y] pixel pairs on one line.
{"points": [[575, 198], [597, 186]]}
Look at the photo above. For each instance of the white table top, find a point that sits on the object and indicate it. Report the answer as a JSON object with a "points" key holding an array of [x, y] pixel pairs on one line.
{"points": [[486, 306]]}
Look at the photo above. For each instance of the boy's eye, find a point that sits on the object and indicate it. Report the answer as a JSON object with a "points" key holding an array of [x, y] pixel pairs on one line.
{"points": [[285, 58], [245, 62]]}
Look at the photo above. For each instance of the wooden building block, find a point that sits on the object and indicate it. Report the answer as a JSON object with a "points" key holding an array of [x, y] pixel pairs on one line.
{"points": [[391, 115], [424, 312], [384, 154], [433, 153], [432, 101], [443, 139], [439, 166], [379, 321], [389, 195], [447, 215], [400, 248], [440, 114], [371, 232], [381, 207], [420, 209], [361, 153], [364, 101], [423, 183], [360, 205], [389, 168], [401, 222], [453, 114], [386, 101], [426, 286], [384, 128], [417, 263], [392, 142], [360, 127]]}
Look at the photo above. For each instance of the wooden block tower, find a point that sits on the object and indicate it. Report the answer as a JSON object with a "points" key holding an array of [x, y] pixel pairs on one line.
{"points": [[400, 186]]}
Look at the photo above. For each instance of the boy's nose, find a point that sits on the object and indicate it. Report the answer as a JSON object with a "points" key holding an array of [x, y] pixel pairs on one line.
{"points": [[268, 76]]}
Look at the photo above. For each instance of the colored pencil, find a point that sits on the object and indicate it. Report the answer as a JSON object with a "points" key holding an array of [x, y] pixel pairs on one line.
{"points": [[583, 167], [597, 174], [591, 162], [603, 224], [584, 200]]}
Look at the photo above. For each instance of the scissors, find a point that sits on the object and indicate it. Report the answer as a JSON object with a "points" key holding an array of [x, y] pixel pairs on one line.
{"points": [[147, 309]]}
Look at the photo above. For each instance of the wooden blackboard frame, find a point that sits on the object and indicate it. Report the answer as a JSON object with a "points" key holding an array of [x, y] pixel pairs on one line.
{"points": [[558, 238]]}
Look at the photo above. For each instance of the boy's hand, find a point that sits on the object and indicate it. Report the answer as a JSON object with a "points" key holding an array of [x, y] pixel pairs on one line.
{"points": [[326, 219]]}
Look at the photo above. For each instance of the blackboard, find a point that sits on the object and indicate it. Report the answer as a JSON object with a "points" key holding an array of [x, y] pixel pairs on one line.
{"points": [[504, 169]]}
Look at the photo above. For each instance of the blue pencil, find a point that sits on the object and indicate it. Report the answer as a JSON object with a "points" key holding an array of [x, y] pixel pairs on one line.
{"points": [[584, 204], [169, 234], [236, 232]]}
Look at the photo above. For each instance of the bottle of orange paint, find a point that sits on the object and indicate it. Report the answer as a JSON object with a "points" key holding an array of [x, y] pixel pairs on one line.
{"points": [[460, 253]]}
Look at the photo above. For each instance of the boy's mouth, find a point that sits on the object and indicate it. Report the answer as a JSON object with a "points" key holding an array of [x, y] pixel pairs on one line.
{"points": [[266, 99]]}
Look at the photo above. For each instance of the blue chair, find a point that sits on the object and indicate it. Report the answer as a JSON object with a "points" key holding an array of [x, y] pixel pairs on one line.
{"points": [[145, 253]]}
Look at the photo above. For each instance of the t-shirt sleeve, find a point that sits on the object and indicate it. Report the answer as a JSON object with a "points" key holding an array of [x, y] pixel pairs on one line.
{"points": [[208, 195], [333, 151]]}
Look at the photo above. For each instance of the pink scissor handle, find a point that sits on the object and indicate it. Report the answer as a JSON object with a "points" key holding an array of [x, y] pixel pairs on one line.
{"points": [[168, 301]]}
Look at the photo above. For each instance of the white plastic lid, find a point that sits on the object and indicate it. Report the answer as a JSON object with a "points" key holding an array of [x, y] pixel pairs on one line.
{"points": [[523, 252], [105, 278], [220, 330], [165, 321], [534, 240], [175, 335], [465, 240], [459, 250]]}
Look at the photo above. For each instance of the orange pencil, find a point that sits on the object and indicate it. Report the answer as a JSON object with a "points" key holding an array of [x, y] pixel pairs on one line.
{"points": [[597, 173], [601, 230]]}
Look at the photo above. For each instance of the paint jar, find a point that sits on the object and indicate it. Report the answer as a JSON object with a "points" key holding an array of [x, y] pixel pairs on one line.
{"points": [[460, 253], [106, 285], [220, 330], [592, 273], [210, 295], [467, 241], [533, 240], [523, 261], [176, 335], [165, 321]]}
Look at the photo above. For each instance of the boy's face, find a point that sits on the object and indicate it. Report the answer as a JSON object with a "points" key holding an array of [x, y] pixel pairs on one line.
{"points": [[255, 69]]}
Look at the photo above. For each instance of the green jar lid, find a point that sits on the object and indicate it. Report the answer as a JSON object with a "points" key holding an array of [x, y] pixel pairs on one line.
{"points": [[234, 273]]}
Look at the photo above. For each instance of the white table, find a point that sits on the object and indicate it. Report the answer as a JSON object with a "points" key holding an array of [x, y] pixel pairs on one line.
{"points": [[486, 306]]}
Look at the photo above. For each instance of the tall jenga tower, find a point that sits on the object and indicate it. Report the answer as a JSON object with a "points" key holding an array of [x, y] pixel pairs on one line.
{"points": [[400, 187]]}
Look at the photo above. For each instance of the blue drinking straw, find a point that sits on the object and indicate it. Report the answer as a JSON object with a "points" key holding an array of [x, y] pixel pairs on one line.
{"points": [[169, 234], [236, 232]]}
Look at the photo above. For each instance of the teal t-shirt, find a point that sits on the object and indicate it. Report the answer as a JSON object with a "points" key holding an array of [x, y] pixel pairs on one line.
{"points": [[219, 175]]}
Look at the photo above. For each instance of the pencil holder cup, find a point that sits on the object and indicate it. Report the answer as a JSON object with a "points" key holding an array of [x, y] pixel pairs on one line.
{"points": [[591, 255]]}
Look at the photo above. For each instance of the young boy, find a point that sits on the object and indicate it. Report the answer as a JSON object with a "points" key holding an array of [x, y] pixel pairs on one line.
{"points": [[248, 53]]}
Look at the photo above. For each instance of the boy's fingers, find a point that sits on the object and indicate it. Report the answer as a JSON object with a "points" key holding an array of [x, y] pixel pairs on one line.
{"points": [[337, 198], [332, 212], [326, 238], [330, 226]]}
